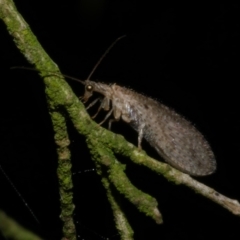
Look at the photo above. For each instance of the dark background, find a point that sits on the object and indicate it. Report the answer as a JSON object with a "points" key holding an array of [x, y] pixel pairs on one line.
{"points": [[186, 56]]}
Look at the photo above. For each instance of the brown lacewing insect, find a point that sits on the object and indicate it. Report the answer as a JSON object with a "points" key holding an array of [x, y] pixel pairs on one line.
{"points": [[175, 139]]}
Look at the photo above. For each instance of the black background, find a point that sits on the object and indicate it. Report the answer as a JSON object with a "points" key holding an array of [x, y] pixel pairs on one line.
{"points": [[186, 56]]}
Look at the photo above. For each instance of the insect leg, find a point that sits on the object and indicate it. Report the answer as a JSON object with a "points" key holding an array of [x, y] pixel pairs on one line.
{"points": [[92, 103], [107, 116], [140, 136], [105, 104], [110, 123], [116, 114]]}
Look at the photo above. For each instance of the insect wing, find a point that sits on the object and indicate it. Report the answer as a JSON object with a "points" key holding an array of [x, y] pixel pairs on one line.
{"points": [[183, 146]]}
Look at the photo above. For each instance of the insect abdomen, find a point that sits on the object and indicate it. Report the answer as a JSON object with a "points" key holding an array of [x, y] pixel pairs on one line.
{"points": [[176, 140]]}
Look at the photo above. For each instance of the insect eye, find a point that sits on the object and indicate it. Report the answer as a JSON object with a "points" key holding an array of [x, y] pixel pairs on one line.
{"points": [[89, 87]]}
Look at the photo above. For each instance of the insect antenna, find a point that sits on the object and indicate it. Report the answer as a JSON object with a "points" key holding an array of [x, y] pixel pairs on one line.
{"points": [[50, 74], [103, 56], [73, 78]]}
